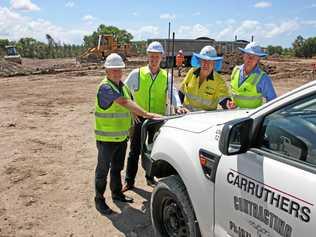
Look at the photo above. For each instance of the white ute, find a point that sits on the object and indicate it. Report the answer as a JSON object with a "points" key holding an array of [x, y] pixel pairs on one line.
{"points": [[238, 173]]}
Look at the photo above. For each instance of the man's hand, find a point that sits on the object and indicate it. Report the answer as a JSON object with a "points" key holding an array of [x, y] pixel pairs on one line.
{"points": [[152, 116], [230, 104], [182, 110]]}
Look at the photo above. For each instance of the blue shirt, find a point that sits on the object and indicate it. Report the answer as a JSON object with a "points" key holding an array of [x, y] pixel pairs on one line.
{"points": [[264, 86], [106, 95]]}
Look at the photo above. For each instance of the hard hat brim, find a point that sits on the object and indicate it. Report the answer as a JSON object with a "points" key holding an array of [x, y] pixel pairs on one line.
{"points": [[115, 67], [195, 61], [249, 51], [154, 51]]}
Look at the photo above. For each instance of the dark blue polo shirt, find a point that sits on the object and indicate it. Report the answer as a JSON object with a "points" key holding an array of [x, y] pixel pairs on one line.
{"points": [[106, 95]]}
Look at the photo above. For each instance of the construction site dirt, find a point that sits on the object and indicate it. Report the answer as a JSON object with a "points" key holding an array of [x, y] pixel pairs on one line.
{"points": [[48, 152]]}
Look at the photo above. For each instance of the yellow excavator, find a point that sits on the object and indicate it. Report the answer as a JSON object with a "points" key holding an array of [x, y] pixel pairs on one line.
{"points": [[12, 54], [106, 44]]}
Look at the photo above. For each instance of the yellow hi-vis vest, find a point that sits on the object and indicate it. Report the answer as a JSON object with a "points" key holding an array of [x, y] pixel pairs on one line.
{"points": [[113, 123], [246, 95], [204, 97], [152, 94]]}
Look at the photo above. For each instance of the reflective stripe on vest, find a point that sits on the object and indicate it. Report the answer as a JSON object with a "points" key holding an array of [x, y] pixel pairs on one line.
{"points": [[205, 96], [246, 95], [199, 99], [112, 115], [113, 123], [243, 97], [152, 94], [111, 134]]}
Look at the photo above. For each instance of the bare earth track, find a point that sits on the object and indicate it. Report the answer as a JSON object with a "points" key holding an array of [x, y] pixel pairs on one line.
{"points": [[48, 153]]}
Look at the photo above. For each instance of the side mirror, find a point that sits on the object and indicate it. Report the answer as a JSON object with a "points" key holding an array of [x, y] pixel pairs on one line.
{"points": [[235, 136]]}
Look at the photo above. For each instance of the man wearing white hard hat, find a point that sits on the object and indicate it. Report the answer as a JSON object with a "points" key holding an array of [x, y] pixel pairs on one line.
{"points": [[150, 86], [113, 108], [203, 87], [249, 83]]}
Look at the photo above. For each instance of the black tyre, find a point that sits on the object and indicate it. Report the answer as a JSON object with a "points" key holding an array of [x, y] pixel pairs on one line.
{"points": [[92, 58], [171, 210]]}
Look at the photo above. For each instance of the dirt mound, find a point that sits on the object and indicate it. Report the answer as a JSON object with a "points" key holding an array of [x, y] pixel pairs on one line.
{"points": [[230, 60], [55, 66], [13, 69]]}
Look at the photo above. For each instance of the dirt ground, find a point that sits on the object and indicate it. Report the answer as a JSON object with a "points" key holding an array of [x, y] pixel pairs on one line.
{"points": [[48, 155]]}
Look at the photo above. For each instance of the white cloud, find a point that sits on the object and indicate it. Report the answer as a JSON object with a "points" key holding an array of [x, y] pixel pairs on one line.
{"points": [[194, 31], [196, 14], [135, 14], [225, 34], [263, 5], [260, 30], [284, 27], [168, 16], [145, 32], [70, 4], [309, 23], [14, 26], [25, 5], [247, 28], [88, 18]]}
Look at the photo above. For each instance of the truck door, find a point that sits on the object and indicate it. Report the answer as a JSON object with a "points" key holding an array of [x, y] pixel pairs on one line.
{"points": [[270, 189]]}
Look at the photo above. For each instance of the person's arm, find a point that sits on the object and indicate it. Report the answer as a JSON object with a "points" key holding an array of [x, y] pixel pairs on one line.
{"points": [[106, 95], [187, 78], [132, 80], [223, 95], [134, 108], [176, 102], [265, 87], [175, 97]]}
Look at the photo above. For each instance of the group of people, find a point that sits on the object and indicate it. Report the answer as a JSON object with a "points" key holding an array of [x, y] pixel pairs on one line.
{"points": [[204, 88], [121, 106]]}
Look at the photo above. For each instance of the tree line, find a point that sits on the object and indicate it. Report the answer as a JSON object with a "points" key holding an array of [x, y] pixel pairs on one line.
{"points": [[32, 48], [300, 48]]}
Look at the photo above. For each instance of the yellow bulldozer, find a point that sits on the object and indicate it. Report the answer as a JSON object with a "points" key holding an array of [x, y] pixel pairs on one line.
{"points": [[106, 44], [12, 55]]}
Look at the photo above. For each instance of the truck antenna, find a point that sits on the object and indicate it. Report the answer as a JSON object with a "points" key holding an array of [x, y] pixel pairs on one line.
{"points": [[172, 62]]}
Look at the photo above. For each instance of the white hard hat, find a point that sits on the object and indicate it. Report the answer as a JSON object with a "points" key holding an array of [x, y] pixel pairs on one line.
{"points": [[114, 60], [155, 47], [181, 51]]}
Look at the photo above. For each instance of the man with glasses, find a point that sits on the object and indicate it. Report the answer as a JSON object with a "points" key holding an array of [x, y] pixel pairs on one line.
{"points": [[249, 83]]}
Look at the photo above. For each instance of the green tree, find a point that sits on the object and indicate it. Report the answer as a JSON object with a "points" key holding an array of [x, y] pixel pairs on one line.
{"points": [[3, 43], [297, 46], [26, 47], [121, 35], [274, 50]]}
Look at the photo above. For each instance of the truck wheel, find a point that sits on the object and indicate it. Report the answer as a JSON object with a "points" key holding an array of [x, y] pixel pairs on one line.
{"points": [[171, 210]]}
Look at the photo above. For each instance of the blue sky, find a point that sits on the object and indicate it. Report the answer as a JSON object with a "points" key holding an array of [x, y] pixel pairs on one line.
{"points": [[271, 22]]}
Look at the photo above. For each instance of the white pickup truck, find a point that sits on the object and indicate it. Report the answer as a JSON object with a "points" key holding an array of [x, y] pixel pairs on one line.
{"points": [[236, 173]]}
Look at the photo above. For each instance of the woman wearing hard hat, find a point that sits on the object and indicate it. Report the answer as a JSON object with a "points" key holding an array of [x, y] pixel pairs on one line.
{"points": [[203, 87], [113, 108]]}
